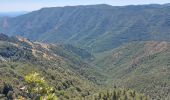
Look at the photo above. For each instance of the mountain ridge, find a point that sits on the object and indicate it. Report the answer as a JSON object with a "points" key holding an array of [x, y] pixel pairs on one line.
{"points": [[110, 46], [19, 56], [140, 65], [96, 28]]}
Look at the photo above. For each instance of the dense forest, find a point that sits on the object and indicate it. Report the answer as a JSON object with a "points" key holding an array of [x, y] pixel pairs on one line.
{"points": [[37, 89], [93, 52]]}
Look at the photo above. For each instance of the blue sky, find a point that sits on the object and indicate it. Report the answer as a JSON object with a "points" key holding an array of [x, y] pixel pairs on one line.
{"points": [[29, 5]]}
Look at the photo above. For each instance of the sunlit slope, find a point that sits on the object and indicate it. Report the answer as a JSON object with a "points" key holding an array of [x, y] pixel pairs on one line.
{"points": [[95, 27], [71, 77], [143, 66]]}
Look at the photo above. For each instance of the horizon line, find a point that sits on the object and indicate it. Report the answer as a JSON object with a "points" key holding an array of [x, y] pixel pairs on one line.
{"points": [[18, 11]]}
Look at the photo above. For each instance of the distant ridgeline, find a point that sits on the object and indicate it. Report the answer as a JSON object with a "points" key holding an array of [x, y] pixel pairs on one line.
{"points": [[12, 14], [95, 27], [84, 51]]}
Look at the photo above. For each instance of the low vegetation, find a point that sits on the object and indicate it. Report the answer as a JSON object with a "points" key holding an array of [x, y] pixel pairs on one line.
{"points": [[68, 74]]}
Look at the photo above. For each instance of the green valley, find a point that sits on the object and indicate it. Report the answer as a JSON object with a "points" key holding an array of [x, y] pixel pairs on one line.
{"points": [[87, 52]]}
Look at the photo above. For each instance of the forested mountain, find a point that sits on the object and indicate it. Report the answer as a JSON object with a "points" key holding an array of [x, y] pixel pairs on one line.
{"points": [[84, 52], [96, 27], [143, 66], [71, 77], [19, 56]]}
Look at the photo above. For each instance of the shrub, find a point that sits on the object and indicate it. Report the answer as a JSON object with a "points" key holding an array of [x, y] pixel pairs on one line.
{"points": [[38, 87]]}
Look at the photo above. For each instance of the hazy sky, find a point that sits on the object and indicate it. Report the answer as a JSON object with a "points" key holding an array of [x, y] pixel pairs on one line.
{"points": [[29, 5]]}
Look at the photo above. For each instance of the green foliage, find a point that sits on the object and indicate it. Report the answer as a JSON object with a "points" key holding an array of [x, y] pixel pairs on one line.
{"points": [[82, 26], [120, 94], [83, 53], [142, 66], [64, 70], [38, 87]]}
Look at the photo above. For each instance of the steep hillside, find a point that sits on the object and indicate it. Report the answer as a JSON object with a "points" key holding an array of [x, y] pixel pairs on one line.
{"points": [[88, 46], [143, 66], [96, 27], [71, 77]]}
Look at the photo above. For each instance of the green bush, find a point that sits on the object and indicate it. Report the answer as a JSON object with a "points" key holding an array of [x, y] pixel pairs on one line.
{"points": [[38, 87]]}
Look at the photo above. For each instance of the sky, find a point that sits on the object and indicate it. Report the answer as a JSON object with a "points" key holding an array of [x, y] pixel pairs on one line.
{"points": [[30, 5]]}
